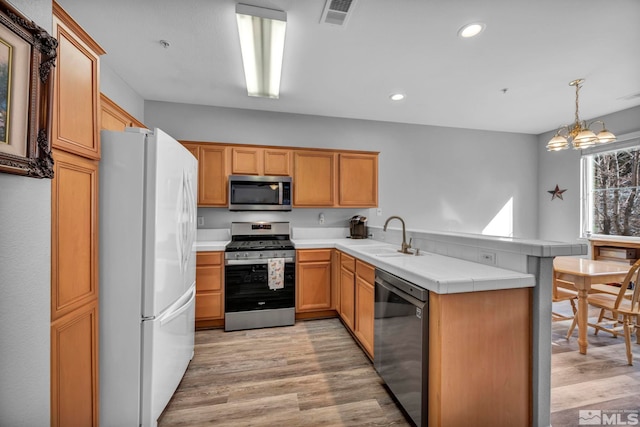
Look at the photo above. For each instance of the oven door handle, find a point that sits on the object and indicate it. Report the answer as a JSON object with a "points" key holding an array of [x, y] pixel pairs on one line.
{"points": [[252, 261]]}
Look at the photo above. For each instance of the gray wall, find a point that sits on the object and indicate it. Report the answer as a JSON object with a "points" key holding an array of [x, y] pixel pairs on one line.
{"points": [[436, 178], [120, 92], [560, 219], [25, 264]]}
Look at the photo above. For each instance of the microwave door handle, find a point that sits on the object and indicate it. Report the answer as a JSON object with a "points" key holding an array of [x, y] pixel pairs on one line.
{"points": [[280, 193]]}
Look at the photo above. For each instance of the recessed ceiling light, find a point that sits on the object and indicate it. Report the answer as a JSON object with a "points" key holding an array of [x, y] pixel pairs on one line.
{"points": [[471, 30], [396, 97]]}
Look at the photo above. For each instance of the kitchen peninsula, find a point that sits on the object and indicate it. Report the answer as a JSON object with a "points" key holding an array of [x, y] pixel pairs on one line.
{"points": [[490, 324]]}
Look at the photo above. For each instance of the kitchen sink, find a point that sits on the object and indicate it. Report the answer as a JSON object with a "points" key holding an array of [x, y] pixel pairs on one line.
{"points": [[388, 252]]}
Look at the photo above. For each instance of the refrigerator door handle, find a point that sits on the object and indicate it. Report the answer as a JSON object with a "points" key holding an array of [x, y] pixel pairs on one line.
{"points": [[172, 314]]}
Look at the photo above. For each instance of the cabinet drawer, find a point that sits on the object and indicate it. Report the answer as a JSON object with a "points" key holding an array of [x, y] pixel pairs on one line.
{"points": [[622, 253], [313, 255], [365, 271], [348, 262], [209, 306], [208, 278], [204, 258]]}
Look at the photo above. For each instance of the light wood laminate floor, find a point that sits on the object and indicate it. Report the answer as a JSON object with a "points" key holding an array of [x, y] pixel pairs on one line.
{"points": [[314, 374]]}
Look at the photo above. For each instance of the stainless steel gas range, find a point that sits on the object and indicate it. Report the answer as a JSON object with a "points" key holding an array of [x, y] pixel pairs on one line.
{"points": [[259, 270]]}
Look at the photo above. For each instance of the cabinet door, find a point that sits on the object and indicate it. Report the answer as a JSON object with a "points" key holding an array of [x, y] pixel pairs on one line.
{"points": [[347, 297], [209, 286], [246, 161], [364, 314], [212, 175], [358, 180], [193, 149], [74, 368], [314, 286], [74, 232], [313, 178], [76, 89], [276, 162]]}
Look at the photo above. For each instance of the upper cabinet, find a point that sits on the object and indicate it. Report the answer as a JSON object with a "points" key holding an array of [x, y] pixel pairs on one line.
{"points": [[358, 180], [321, 178], [260, 161], [113, 117], [212, 172], [313, 178], [75, 126]]}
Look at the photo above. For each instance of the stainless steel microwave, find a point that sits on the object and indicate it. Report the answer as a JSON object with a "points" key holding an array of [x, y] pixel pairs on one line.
{"points": [[259, 193]]}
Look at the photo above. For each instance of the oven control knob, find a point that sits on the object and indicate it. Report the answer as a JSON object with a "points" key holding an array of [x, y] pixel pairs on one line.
{"points": [[246, 255], [260, 255]]}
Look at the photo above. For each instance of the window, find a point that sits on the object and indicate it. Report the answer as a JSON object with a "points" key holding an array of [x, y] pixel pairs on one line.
{"points": [[611, 189]]}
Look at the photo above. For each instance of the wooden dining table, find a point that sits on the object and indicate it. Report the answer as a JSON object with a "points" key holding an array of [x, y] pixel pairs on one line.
{"points": [[583, 273]]}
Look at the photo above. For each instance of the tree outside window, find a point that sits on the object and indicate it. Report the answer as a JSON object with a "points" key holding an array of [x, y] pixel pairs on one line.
{"points": [[611, 192]]}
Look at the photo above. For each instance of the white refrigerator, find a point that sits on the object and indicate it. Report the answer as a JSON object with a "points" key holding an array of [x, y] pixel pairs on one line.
{"points": [[147, 216]]}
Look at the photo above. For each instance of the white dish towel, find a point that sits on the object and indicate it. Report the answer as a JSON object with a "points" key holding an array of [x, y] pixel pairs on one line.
{"points": [[276, 273]]}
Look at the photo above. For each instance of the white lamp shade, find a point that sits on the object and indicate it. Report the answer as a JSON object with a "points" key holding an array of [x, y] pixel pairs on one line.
{"points": [[605, 137], [584, 139], [557, 143]]}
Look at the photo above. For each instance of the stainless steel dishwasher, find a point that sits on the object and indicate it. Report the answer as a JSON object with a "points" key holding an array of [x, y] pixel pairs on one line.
{"points": [[401, 340]]}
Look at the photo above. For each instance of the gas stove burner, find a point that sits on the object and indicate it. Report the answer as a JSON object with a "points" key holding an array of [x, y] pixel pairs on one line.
{"points": [[262, 237]]}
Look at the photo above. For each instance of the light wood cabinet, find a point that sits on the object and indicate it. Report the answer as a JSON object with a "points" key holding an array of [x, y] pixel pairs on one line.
{"points": [[364, 305], [277, 162], [626, 252], [467, 335], [76, 89], [313, 276], [358, 180], [212, 175], [113, 117], [313, 178], [74, 233], [246, 161], [74, 226], [260, 161], [209, 287], [347, 290], [74, 368]]}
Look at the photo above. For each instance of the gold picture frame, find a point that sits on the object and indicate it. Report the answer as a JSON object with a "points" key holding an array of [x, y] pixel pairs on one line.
{"points": [[27, 55]]}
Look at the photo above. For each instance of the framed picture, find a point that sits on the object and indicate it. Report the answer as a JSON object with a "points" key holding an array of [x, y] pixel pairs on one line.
{"points": [[27, 55]]}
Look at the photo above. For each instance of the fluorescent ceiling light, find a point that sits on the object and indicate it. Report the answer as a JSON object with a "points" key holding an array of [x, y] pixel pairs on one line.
{"points": [[397, 97], [471, 30], [262, 34]]}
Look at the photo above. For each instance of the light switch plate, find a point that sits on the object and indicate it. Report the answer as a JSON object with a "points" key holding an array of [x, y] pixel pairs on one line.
{"points": [[200, 221]]}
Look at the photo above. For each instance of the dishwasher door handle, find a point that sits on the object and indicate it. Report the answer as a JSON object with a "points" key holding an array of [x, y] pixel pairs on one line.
{"points": [[405, 296]]}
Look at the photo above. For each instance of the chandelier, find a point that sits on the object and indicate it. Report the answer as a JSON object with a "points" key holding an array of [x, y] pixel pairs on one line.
{"points": [[579, 134]]}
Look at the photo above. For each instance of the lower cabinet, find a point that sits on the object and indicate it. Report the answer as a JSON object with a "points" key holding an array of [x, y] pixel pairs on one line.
{"points": [[365, 279], [313, 276], [357, 299], [209, 289], [480, 354], [74, 367], [347, 290]]}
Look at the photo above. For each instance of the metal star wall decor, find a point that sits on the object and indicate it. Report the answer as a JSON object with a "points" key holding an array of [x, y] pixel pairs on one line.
{"points": [[557, 192]]}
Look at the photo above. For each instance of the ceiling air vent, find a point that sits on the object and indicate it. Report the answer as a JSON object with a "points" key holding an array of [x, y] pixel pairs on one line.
{"points": [[337, 12]]}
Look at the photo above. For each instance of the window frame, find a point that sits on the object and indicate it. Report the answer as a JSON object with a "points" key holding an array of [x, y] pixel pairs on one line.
{"points": [[626, 141]]}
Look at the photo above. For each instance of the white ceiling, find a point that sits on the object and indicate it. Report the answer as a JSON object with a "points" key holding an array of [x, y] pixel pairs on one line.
{"points": [[531, 48]]}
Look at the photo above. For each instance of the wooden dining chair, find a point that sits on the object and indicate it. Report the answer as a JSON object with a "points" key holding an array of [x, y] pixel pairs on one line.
{"points": [[625, 310], [565, 291]]}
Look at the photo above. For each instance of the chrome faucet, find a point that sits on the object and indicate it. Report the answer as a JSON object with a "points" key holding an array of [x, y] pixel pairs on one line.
{"points": [[405, 246]]}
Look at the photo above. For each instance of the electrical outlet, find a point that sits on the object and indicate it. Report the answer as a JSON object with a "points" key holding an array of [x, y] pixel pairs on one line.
{"points": [[200, 221], [488, 258], [379, 212], [321, 219]]}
